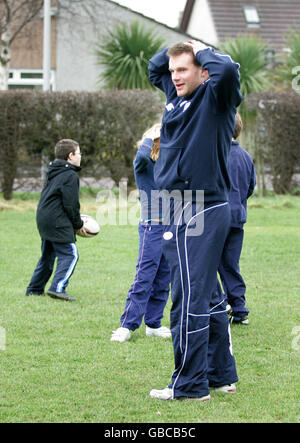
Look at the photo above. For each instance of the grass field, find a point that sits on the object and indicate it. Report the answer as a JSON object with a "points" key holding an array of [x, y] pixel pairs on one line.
{"points": [[58, 364]]}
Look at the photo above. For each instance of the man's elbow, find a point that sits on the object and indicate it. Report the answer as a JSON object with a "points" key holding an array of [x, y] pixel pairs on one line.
{"points": [[231, 71]]}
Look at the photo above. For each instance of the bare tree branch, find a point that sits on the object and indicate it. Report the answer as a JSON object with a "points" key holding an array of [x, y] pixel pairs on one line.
{"points": [[22, 20], [16, 15]]}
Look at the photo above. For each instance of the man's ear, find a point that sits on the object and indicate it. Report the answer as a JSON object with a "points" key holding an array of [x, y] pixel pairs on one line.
{"points": [[205, 74]]}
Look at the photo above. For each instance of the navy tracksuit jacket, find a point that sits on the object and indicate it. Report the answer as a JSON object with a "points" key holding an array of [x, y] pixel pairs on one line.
{"points": [[149, 291], [243, 181], [194, 147]]}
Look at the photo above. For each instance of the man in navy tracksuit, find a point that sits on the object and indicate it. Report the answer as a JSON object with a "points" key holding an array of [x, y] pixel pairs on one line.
{"points": [[202, 90], [243, 181], [58, 219]]}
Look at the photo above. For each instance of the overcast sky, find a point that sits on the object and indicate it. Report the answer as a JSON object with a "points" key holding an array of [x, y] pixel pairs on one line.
{"points": [[164, 11]]}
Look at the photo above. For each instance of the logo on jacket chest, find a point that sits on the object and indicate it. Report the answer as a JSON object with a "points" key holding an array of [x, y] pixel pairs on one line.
{"points": [[185, 105]]}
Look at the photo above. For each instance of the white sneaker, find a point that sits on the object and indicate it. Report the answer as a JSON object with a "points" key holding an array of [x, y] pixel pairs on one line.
{"points": [[162, 332], [120, 335], [163, 394], [167, 394], [228, 389]]}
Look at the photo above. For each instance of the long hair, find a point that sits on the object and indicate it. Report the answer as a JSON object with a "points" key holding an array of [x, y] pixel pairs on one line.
{"points": [[153, 133], [154, 154], [238, 126]]}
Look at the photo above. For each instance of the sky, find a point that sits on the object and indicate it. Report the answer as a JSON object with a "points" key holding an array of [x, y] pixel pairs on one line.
{"points": [[164, 11]]}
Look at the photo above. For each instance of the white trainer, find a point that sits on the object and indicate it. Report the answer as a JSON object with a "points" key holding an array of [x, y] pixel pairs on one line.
{"points": [[121, 335], [162, 332], [163, 394], [167, 394], [228, 389]]}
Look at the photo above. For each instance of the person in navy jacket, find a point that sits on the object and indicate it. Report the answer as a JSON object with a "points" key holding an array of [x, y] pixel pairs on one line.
{"points": [[202, 89], [149, 291], [243, 181]]}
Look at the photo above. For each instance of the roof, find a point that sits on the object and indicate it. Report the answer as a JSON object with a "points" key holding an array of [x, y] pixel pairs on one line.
{"points": [[178, 29], [115, 2], [276, 18]]}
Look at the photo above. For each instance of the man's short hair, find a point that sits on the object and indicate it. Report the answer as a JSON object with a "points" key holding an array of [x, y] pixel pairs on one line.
{"points": [[238, 126], [64, 147], [181, 48]]}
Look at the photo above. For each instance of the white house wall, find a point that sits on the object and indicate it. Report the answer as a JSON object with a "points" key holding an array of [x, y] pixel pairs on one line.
{"points": [[201, 24], [78, 34]]}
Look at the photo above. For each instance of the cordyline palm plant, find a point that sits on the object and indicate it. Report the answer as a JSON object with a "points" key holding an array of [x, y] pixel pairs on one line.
{"points": [[251, 53], [287, 70], [125, 54]]}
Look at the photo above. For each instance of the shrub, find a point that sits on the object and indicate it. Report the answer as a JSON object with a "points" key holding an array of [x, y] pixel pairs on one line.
{"points": [[251, 54], [107, 125], [289, 66], [277, 123], [13, 117], [125, 53]]}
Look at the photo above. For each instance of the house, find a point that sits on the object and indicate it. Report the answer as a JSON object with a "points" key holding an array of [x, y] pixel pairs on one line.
{"points": [[75, 32], [26, 66], [217, 20]]}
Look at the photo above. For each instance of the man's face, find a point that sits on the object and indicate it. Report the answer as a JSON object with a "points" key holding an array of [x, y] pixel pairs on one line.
{"points": [[186, 76]]}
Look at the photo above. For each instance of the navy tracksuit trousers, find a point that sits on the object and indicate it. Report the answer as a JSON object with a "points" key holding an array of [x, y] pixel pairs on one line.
{"points": [[149, 291], [67, 257], [199, 322], [229, 271]]}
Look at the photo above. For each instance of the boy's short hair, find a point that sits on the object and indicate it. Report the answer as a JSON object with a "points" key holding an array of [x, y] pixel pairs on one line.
{"points": [[181, 48], [64, 147], [238, 126]]}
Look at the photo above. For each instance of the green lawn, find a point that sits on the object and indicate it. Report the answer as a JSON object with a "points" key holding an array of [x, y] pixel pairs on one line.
{"points": [[58, 364]]}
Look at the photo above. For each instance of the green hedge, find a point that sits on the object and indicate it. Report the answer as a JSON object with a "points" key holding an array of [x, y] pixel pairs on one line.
{"points": [[107, 125], [277, 140]]}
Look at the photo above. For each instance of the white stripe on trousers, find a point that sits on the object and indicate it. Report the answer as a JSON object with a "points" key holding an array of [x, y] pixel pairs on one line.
{"points": [[189, 288], [61, 283]]}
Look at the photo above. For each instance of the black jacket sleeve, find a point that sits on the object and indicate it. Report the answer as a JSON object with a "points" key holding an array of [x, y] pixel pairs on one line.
{"points": [[70, 200]]}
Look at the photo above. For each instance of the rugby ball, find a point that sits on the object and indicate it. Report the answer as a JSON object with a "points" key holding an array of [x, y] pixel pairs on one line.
{"points": [[91, 226]]}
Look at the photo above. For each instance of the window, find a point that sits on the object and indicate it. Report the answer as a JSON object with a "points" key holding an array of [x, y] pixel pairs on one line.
{"points": [[28, 79], [251, 16]]}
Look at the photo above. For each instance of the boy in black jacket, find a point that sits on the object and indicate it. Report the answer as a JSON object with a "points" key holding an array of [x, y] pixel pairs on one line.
{"points": [[58, 219]]}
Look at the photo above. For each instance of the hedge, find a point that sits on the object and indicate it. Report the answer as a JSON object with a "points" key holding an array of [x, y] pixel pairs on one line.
{"points": [[107, 125], [277, 139]]}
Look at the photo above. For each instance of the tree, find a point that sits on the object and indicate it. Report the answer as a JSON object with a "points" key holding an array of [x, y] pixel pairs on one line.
{"points": [[125, 55]]}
